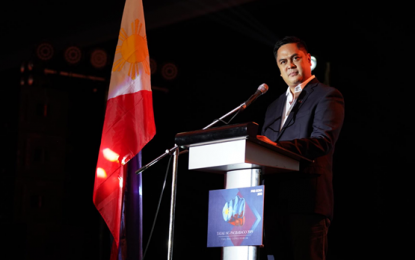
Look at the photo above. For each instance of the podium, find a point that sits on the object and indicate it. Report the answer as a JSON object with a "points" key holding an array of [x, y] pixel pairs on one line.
{"points": [[235, 151]]}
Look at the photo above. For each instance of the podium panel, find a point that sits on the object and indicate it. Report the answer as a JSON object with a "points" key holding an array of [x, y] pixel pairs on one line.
{"points": [[237, 154]]}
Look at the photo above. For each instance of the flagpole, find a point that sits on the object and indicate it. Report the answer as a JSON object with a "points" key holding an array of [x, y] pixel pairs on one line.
{"points": [[173, 203]]}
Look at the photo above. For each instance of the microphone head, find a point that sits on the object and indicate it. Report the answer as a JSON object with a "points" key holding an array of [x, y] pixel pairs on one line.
{"points": [[263, 88], [259, 92]]}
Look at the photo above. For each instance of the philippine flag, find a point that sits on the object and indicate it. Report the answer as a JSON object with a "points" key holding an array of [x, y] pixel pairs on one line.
{"points": [[129, 120]]}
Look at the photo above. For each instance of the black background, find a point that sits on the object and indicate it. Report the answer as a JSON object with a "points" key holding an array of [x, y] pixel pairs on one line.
{"points": [[222, 56]]}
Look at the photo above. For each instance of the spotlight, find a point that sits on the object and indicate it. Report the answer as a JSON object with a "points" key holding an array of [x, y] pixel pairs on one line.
{"points": [[45, 51], [30, 80], [22, 67], [30, 65], [99, 58], [313, 63], [169, 71], [73, 55]]}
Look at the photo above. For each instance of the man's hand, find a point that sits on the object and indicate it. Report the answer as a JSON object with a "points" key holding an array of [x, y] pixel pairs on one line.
{"points": [[265, 139]]}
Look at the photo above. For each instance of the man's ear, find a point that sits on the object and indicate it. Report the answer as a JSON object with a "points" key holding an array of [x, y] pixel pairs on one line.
{"points": [[309, 58]]}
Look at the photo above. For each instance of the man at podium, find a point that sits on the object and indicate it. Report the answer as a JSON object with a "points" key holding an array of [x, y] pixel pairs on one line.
{"points": [[307, 120]]}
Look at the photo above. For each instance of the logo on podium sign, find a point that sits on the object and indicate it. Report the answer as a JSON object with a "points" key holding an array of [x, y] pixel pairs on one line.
{"points": [[235, 217]]}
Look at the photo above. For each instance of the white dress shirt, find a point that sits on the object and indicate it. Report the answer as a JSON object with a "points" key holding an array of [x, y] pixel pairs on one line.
{"points": [[292, 99]]}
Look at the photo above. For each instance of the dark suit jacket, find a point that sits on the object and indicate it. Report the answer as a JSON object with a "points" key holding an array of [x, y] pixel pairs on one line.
{"points": [[311, 130]]}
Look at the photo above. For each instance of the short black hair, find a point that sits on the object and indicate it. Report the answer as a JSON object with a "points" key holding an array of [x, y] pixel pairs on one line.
{"points": [[289, 39]]}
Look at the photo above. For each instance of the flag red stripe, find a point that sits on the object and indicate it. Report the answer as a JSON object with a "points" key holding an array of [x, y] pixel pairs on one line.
{"points": [[128, 127]]}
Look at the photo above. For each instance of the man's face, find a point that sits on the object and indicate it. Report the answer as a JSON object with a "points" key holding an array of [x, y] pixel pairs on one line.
{"points": [[294, 64]]}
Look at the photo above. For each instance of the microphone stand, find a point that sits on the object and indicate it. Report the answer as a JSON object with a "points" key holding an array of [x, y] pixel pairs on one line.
{"points": [[175, 151], [240, 107]]}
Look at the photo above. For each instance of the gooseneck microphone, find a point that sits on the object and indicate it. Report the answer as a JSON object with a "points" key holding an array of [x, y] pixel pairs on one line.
{"points": [[262, 89]]}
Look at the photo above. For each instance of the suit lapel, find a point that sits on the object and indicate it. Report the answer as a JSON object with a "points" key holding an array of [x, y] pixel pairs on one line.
{"points": [[305, 93], [280, 111]]}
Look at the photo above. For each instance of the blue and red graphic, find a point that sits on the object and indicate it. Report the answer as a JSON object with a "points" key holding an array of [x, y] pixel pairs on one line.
{"points": [[236, 217]]}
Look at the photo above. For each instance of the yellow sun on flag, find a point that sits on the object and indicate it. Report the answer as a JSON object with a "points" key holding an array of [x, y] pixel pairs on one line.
{"points": [[133, 50]]}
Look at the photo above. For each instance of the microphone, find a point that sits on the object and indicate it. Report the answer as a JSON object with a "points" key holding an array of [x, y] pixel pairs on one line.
{"points": [[262, 89]]}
